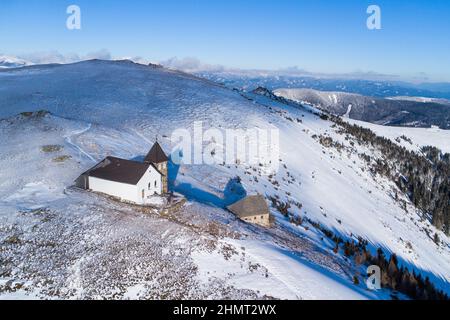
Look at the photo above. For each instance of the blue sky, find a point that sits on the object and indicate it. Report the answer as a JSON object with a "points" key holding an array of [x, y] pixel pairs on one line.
{"points": [[316, 35]]}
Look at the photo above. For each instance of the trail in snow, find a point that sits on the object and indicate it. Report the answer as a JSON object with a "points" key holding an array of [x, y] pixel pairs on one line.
{"points": [[68, 139]]}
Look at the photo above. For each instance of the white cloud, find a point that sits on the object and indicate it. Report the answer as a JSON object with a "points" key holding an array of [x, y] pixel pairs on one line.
{"points": [[102, 54], [138, 59], [194, 65], [191, 64]]}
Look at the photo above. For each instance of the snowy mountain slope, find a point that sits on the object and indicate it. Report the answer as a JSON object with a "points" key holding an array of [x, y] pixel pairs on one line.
{"points": [[12, 62], [115, 87], [143, 254], [337, 187], [419, 136], [396, 112], [118, 108]]}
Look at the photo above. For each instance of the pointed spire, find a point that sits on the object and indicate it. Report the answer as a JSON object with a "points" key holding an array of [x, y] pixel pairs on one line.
{"points": [[156, 154]]}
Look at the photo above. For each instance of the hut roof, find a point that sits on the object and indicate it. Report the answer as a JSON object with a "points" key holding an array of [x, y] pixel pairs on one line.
{"points": [[250, 206]]}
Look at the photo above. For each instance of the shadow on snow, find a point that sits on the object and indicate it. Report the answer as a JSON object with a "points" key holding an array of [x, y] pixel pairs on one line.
{"points": [[233, 192]]}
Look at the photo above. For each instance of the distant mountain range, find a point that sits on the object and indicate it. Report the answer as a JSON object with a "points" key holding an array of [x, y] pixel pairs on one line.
{"points": [[375, 88], [12, 62], [397, 111]]}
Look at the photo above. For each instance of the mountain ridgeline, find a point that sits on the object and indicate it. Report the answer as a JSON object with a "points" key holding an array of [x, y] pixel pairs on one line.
{"points": [[405, 112], [381, 88]]}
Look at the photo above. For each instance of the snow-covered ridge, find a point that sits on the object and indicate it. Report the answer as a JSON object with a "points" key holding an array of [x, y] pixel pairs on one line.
{"points": [[420, 99], [13, 62], [409, 112]]}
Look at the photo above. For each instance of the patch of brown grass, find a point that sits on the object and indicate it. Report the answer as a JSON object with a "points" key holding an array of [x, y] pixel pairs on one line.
{"points": [[61, 159], [51, 148]]}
